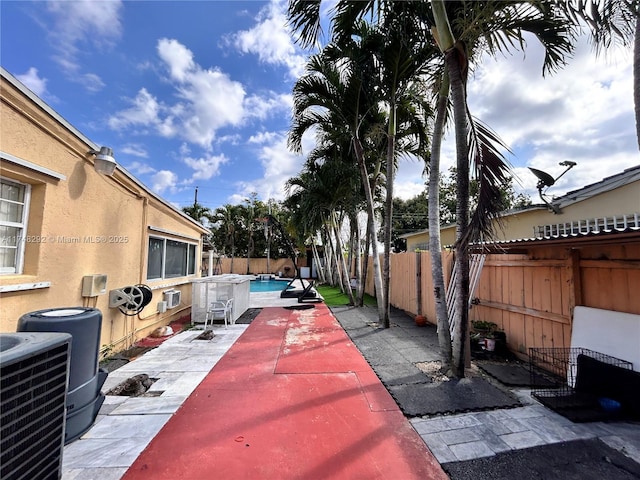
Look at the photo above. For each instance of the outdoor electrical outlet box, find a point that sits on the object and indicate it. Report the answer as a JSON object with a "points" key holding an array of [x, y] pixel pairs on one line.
{"points": [[94, 285], [162, 307]]}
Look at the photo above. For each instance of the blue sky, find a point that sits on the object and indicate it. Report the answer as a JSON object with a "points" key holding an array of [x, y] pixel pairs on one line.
{"points": [[198, 94]]}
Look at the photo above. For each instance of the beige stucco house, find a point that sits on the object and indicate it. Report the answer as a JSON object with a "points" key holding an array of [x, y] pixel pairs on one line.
{"points": [[66, 229], [613, 199]]}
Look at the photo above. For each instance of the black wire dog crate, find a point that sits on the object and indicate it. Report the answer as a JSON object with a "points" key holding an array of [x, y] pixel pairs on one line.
{"points": [[574, 381]]}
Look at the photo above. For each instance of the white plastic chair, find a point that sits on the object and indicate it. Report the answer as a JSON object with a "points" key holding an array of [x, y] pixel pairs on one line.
{"points": [[220, 310]]}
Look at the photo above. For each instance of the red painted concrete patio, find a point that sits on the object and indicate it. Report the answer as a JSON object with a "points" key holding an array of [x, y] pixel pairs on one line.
{"points": [[292, 399]]}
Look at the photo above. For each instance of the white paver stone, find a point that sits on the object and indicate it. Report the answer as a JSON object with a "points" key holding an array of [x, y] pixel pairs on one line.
{"points": [[524, 439], [471, 450]]}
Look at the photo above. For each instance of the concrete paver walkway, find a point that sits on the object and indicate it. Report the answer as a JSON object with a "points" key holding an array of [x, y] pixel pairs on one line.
{"points": [[285, 405], [394, 352], [126, 425]]}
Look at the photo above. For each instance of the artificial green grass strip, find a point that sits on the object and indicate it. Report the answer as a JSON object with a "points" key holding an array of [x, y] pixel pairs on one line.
{"points": [[333, 297]]}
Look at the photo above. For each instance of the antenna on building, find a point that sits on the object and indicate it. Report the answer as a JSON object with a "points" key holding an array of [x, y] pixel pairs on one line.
{"points": [[545, 181]]}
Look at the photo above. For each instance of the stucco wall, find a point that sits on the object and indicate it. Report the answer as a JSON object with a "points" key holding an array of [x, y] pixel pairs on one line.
{"points": [[619, 201], [83, 224]]}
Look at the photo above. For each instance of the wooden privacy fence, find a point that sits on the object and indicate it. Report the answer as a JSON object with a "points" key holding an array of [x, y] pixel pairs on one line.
{"points": [[530, 295], [257, 265], [531, 300]]}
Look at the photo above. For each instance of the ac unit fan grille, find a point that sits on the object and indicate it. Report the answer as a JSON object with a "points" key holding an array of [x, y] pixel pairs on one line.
{"points": [[32, 418]]}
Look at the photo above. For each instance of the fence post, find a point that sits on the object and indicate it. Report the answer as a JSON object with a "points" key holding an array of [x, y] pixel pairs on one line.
{"points": [[418, 283]]}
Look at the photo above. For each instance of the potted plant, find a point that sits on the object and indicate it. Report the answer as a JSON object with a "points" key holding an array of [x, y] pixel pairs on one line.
{"points": [[421, 320], [490, 342], [483, 327], [485, 330]]}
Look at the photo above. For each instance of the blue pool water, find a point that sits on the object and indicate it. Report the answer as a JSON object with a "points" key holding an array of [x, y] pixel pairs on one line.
{"points": [[267, 285]]}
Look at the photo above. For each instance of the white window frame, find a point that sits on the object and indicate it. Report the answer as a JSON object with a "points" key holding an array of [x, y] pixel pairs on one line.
{"points": [[190, 269], [17, 269]]}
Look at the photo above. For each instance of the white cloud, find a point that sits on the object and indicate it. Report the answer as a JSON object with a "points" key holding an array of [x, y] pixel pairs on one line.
{"points": [[178, 58], [184, 149], [262, 107], [135, 149], [164, 180], [409, 181], [145, 111], [263, 137], [231, 139], [33, 81], [278, 165], [90, 81], [583, 113], [205, 167], [79, 23], [211, 101], [207, 100], [140, 168], [271, 40]]}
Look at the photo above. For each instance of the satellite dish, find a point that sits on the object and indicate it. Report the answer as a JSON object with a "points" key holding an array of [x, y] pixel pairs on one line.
{"points": [[545, 181]]}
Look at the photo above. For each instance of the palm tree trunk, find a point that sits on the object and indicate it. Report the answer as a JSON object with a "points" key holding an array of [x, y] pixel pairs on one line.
{"points": [[350, 250], [331, 271], [388, 213], [435, 246], [447, 44], [462, 211], [342, 263], [249, 251], [336, 260], [328, 257], [357, 257], [365, 267], [377, 277], [319, 266]]}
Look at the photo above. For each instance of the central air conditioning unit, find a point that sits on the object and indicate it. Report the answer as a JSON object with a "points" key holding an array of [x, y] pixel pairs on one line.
{"points": [[34, 370], [172, 297]]}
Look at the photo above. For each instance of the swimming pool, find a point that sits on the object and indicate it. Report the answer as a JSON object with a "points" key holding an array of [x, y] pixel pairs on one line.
{"points": [[267, 285]]}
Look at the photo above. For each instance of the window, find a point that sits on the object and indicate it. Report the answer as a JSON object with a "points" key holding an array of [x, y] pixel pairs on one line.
{"points": [[14, 206], [170, 258]]}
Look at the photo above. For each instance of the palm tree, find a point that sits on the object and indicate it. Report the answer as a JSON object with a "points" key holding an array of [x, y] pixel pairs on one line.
{"points": [[393, 65], [227, 218], [495, 25], [435, 245], [197, 211], [332, 97], [478, 26], [320, 194], [402, 58], [251, 211]]}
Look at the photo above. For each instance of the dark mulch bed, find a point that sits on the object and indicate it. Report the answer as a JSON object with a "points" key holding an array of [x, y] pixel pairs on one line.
{"points": [[248, 316], [395, 355], [577, 460], [456, 395], [514, 374], [122, 358]]}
